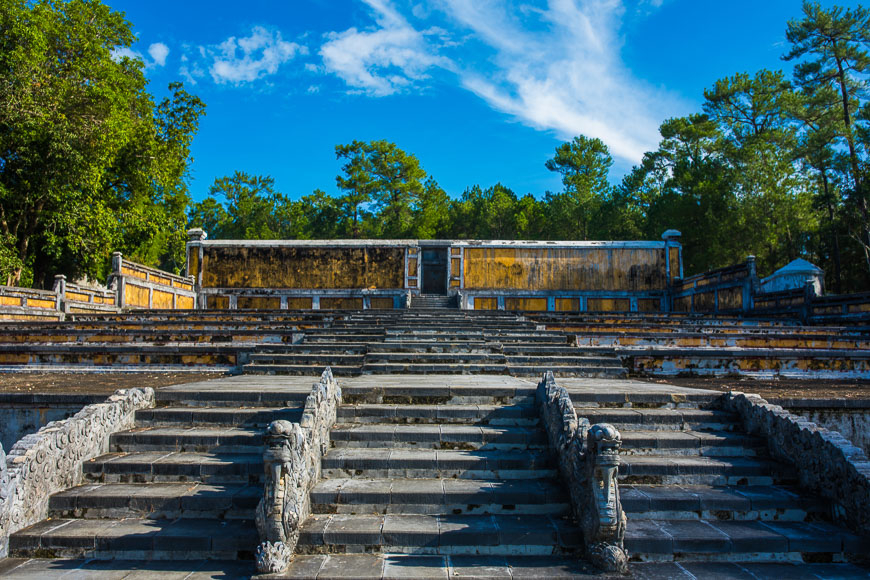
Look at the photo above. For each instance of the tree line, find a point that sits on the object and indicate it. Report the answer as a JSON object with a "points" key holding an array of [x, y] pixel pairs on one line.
{"points": [[775, 164]]}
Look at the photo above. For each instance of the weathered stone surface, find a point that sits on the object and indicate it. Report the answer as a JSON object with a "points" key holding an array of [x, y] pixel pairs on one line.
{"points": [[826, 462], [51, 459], [292, 462], [588, 459]]}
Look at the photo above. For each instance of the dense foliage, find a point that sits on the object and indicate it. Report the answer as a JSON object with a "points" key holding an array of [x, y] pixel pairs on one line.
{"points": [[775, 164]]}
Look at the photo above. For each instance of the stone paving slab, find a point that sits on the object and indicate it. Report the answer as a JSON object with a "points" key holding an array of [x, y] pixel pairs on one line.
{"points": [[45, 569]]}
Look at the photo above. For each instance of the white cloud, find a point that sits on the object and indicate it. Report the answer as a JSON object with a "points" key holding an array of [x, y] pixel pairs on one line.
{"points": [[383, 60], [158, 52], [125, 52], [559, 69], [244, 60]]}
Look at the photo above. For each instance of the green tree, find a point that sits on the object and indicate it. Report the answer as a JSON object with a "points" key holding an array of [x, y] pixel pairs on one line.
{"points": [[584, 164], [249, 211]]}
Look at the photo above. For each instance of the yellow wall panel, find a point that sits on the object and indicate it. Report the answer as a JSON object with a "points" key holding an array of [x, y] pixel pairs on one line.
{"points": [[455, 268], [731, 299], [382, 303], [135, 295], [184, 302], [608, 305], [10, 300], [299, 303], [516, 268], [131, 272], [527, 304], [674, 262], [160, 280], [649, 305], [37, 303], [79, 296], [258, 302], [218, 302], [341, 303], [303, 267], [567, 304], [486, 304], [412, 266], [162, 300]]}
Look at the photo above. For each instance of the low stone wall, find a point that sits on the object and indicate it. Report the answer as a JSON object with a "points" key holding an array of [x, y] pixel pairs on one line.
{"points": [[827, 462], [849, 417], [51, 459], [588, 459], [23, 413], [292, 460]]}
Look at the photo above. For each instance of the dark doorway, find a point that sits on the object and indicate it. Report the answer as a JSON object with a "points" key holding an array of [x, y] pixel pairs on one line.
{"points": [[435, 271]]}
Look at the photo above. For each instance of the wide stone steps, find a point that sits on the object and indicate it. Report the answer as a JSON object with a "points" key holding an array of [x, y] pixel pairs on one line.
{"points": [[163, 466], [435, 436], [157, 501], [217, 416], [437, 463], [687, 443], [682, 419], [135, 538], [194, 439], [738, 540], [439, 496], [527, 534], [677, 469], [481, 414], [731, 503], [313, 359]]}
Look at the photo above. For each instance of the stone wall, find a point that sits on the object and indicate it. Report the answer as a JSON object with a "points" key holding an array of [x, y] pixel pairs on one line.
{"points": [[827, 463], [849, 417], [51, 459]]}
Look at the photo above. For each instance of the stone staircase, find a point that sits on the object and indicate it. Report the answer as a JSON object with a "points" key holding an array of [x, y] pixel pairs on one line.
{"points": [[696, 488], [433, 301], [182, 485], [445, 342], [430, 478]]}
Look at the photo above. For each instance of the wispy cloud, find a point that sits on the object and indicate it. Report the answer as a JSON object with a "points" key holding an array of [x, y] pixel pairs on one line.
{"points": [[244, 60], [157, 51], [382, 60], [559, 69]]}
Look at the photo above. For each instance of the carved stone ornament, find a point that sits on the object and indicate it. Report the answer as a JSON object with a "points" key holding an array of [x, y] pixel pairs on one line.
{"points": [[292, 460], [588, 459]]}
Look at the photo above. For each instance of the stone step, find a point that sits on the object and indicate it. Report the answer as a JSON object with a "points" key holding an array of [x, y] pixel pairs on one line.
{"points": [[317, 359], [140, 539], [456, 392], [223, 416], [341, 337], [432, 463], [392, 566], [639, 399], [661, 419], [568, 371], [439, 534], [440, 496], [737, 540], [437, 436], [743, 502], [250, 397], [435, 346], [195, 439], [687, 443], [342, 348], [577, 359], [81, 568], [157, 501], [454, 357], [701, 470], [163, 466], [301, 370], [495, 368], [443, 413]]}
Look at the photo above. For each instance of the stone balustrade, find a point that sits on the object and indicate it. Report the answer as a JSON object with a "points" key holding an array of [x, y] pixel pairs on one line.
{"points": [[588, 457], [50, 460], [827, 462], [292, 460]]}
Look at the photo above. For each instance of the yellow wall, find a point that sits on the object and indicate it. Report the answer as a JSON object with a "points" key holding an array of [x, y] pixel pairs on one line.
{"points": [[317, 268], [516, 268]]}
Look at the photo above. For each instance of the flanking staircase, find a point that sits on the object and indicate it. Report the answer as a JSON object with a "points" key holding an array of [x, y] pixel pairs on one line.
{"points": [[436, 479], [697, 489], [419, 342], [432, 301], [182, 485]]}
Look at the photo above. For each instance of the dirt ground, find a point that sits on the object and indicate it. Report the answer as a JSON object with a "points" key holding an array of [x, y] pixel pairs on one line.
{"points": [[782, 388], [93, 383]]}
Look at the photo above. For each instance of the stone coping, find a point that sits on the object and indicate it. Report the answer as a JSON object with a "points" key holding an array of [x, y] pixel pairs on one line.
{"points": [[805, 403], [433, 243]]}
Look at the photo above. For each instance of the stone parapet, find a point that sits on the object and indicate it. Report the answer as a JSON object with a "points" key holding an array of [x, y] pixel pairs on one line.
{"points": [[292, 461], [827, 463], [51, 459]]}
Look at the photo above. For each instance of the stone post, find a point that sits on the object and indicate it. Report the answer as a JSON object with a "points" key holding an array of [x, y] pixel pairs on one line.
{"points": [[752, 288], [59, 291], [118, 275]]}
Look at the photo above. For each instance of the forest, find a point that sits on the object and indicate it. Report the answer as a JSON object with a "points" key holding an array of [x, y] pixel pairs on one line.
{"points": [[775, 164]]}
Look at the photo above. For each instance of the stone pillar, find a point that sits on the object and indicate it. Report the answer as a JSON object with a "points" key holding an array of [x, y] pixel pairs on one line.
{"points": [[59, 291], [752, 288]]}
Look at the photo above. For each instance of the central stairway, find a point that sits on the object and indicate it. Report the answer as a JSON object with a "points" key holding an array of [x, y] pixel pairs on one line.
{"points": [[435, 480], [433, 342]]}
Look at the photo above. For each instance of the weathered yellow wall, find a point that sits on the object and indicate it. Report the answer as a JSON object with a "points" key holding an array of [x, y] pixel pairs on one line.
{"points": [[516, 268], [529, 304], [674, 262], [218, 302], [135, 295], [567, 304], [382, 303], [258, 302], [608, 305], [184, 302], [162, 300], [649, 305], [486, 304], [341, 303], [317, 268]]}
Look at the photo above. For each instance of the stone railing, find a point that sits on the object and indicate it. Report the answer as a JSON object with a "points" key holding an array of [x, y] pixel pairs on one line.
{"points": [[588, 459], [827, 462], [292, 463], [51, 459]]}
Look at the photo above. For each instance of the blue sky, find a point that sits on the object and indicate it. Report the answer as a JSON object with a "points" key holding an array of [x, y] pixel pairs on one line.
{"points": [[481, 91]]}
